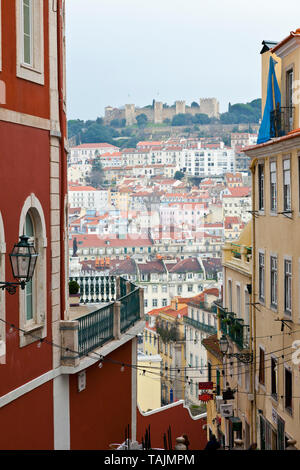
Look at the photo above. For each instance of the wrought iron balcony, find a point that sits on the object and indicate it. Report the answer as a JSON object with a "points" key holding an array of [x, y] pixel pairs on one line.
{"points": [[200, 326], [282, 121], [235, 328], [204, 306], [89, 327]]}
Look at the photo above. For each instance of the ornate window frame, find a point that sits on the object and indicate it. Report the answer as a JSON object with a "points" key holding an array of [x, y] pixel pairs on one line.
{"points": [[37, 327], [35, 72]]}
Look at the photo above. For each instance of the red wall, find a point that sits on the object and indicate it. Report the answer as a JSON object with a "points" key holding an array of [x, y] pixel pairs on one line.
{"points": [[100, 413], [22, 95], [180, 421], [24, 169], [27, 423]]}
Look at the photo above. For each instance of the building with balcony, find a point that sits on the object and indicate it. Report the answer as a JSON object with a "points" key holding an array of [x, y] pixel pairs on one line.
{"points": [[235, 367], [53, 395], [170, 336], [200, 322], [275, 167]]}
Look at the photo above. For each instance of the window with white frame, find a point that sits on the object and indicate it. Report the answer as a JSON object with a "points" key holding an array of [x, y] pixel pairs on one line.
{"points": [[33, 299], [274, 379], [261, 276], [273, 279], [247, 308], [229, 295], [30, 294], [286, 184], [238, 300], [261, 372], [273, 187], [30, 40], [288, 386], [261, 196], [288, 286], [27, 32]]}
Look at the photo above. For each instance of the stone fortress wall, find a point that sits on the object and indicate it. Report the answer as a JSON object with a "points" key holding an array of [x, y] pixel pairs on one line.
{"points": [[158, 113]]}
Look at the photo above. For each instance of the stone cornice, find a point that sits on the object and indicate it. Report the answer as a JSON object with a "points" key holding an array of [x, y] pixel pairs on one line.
{"points": [[274, 147]]}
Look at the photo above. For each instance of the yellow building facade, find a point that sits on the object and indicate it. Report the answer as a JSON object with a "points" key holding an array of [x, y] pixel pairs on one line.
{"points": [[149, 382], [275, 167], [233, 370], [165, 335]]}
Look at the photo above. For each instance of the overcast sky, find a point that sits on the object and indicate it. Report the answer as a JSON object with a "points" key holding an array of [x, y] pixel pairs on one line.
{"points": [[134, 51]]}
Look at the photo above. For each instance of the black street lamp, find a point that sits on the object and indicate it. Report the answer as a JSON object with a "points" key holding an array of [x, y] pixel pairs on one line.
{"points": [[23, 260], [246, 358]]}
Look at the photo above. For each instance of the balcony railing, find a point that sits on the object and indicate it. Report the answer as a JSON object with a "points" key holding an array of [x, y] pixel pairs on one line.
{"points": [[282, 121], [130, 309], [235, 328], [90, 331], [201, 326], [204, 306], [98, 289], [238, 251], [95, 329]]}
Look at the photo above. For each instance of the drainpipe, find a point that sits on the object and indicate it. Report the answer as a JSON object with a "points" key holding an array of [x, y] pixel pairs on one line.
{"points": [[63, 168], [253, 310]]}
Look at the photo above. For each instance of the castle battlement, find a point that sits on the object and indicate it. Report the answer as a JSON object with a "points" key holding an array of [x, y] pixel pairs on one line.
{"points": [[158, 112]]}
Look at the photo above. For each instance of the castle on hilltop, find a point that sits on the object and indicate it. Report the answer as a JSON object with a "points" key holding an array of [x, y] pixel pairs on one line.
{"points": [[158, 112]]}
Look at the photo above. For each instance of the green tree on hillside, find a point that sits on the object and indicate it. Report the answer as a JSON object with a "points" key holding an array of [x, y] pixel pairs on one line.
{"points": [[141, 120], [178, 175], [96, 178]]}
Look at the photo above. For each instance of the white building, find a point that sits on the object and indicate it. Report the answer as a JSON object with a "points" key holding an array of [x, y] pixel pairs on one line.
{"points": [[87, 197], [78, 173], [200, 322], [90, 151], [243, 139], [207, 162], [236, 202]]}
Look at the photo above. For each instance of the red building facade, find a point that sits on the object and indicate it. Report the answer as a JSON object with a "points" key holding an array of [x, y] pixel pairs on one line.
{"points": [[43, 404]]}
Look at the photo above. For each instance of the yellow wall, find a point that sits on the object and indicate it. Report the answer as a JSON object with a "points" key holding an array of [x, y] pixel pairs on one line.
{"points": [[149, 384]]}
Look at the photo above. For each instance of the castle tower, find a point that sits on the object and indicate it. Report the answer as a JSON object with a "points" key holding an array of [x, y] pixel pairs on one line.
{"points": [[158, 112], [180, 107], [210, 106], [130, 114]]}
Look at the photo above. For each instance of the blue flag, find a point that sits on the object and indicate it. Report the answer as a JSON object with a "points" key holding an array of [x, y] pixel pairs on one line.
{"points": [[273, 101]]}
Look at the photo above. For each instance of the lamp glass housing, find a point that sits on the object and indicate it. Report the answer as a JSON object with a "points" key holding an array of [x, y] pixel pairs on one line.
{"points": [[23, 259], [223, 343]]}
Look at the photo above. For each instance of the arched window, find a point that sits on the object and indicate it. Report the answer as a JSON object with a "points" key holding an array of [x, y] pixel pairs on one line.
{"points": [[33, 299], [29, 290]]}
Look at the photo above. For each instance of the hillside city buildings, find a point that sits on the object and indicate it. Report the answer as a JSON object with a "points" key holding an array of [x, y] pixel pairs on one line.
{"points": [[174, 277], [166, 236], [257, 339]]}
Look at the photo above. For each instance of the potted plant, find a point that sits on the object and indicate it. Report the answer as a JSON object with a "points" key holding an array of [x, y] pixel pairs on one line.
{"points": [[74, 294]]}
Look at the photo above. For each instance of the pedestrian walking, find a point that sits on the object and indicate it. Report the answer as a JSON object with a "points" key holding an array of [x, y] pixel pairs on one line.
{"points": [[212, 444]]}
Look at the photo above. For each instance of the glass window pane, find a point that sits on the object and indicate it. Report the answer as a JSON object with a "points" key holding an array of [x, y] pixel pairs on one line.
{"points": [[27, 31], [29, 301]]}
